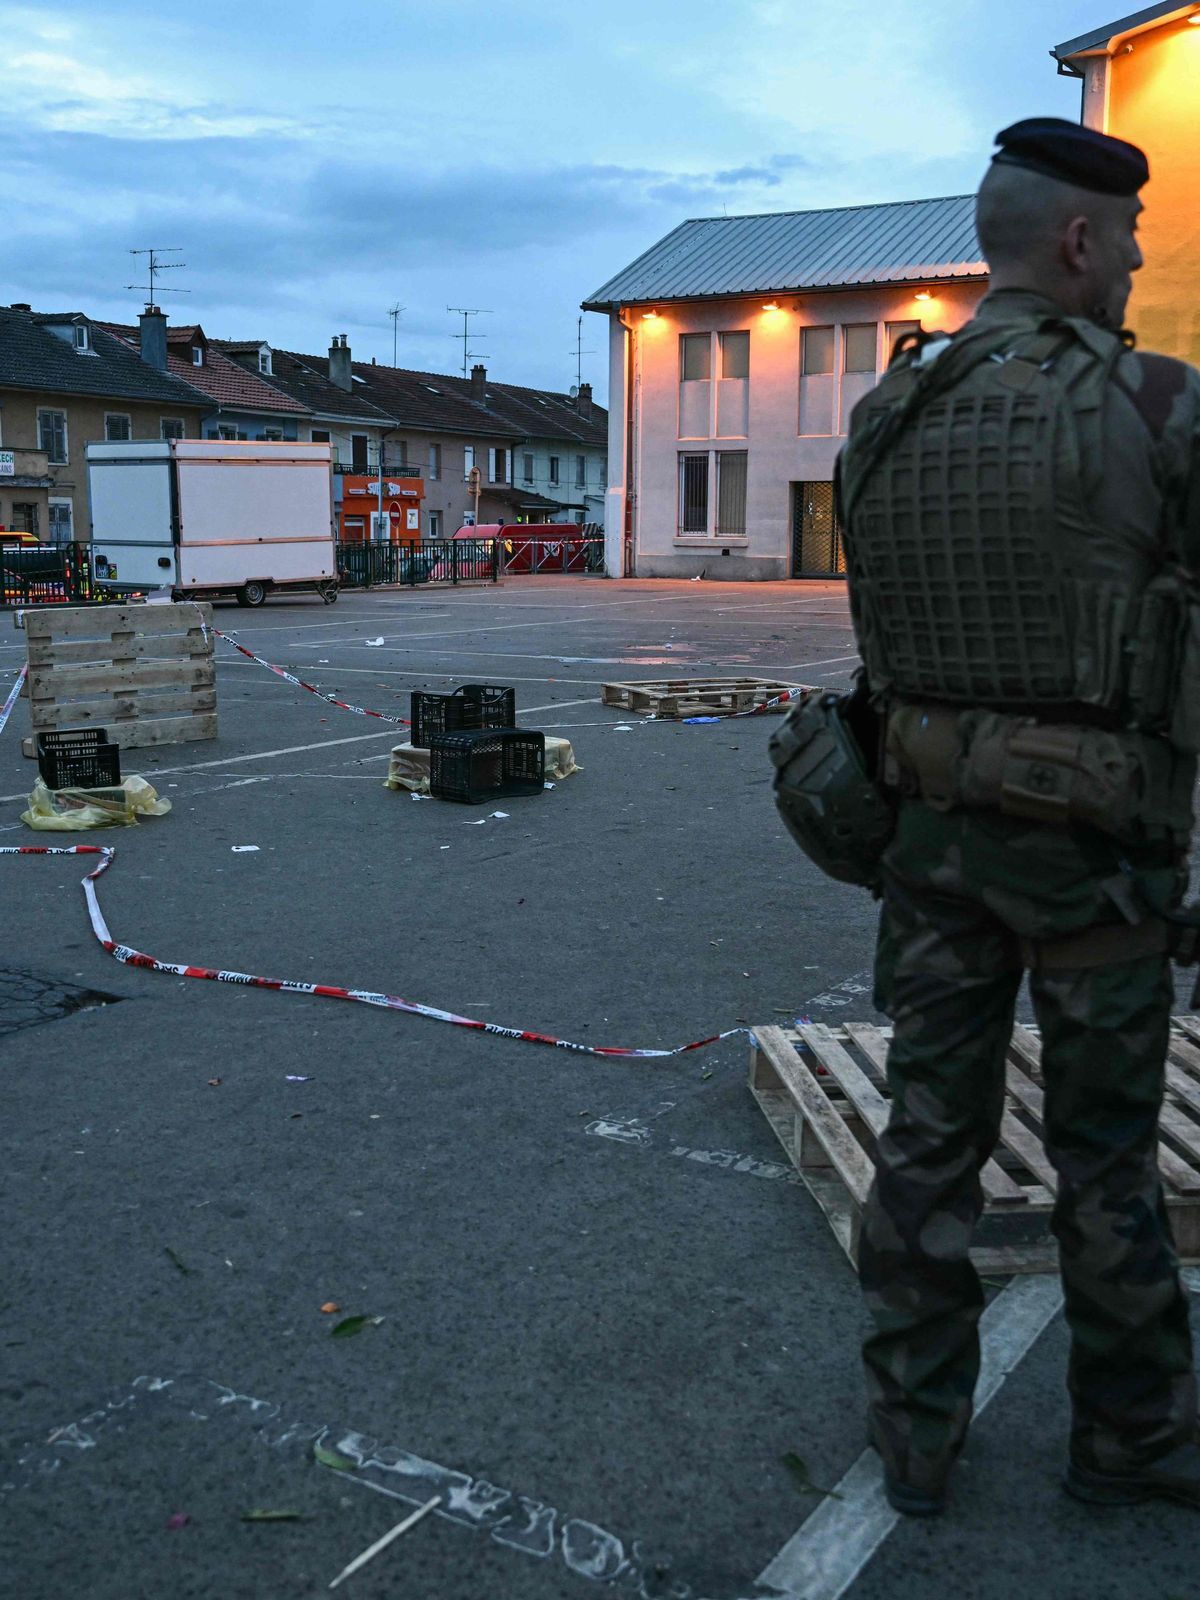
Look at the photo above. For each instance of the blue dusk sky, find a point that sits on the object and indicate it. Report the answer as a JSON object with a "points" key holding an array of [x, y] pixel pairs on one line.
{"points": [[319, 163]]}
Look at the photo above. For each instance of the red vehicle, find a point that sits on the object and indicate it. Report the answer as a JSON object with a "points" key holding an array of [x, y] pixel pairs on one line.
{"points": [[537, 546]]}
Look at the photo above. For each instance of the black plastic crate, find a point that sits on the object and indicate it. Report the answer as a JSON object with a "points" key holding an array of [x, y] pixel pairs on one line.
{"points": [[78, 758], [481, 764], [475, 705]]}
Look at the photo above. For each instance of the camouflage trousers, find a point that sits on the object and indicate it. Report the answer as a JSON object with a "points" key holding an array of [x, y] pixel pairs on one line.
{"points": [[961, 888]]}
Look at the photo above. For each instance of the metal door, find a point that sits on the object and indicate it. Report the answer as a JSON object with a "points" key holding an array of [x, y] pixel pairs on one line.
{"points": [[816, 533]]}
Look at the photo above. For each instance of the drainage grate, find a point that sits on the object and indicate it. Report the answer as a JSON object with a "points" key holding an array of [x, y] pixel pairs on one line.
{"points": [[29, 998]]}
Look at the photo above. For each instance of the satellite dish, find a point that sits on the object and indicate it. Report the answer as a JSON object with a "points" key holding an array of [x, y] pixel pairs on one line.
{"points": [[574, 391]]}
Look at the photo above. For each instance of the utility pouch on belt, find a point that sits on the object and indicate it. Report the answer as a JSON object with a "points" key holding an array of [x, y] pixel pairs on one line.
{"points": [[1058, 774]]}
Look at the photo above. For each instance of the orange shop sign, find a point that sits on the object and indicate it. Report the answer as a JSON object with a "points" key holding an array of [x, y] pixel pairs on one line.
{"points": [[393, 488]]}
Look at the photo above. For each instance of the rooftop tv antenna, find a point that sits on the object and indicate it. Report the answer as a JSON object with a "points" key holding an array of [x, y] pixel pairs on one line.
{"points": [[156, 265], [580, 352], [466, 312], [394, 313]]}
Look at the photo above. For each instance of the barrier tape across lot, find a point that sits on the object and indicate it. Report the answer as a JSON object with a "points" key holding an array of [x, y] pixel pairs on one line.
{"points": [[129, 957], [403, 722], [282, 672], [6, 708]]}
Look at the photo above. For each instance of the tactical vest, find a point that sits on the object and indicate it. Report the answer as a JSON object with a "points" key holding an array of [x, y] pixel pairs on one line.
{"points": [[979, 576]]}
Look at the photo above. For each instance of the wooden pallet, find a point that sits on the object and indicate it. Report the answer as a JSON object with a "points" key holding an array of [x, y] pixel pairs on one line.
{"points": [[145, 673], [696, 697], [824, 1093]]}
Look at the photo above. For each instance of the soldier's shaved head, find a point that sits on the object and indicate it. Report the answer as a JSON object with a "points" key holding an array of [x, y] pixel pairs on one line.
{"points": [[1075, 245]]}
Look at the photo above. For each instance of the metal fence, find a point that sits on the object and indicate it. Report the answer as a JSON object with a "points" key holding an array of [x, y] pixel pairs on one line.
{"points": [[48, 574], [366, 565], [552, 555]]}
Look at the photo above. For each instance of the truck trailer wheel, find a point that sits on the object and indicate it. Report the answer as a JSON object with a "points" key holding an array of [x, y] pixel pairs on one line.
{"points": [[252, 593], [328, 592]]}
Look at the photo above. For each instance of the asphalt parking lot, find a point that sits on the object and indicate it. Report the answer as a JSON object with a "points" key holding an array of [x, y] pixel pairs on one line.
{"points": [[608, 1311]]}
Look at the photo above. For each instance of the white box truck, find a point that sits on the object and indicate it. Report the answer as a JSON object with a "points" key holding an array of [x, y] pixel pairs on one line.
{"points": [[210, 517]]}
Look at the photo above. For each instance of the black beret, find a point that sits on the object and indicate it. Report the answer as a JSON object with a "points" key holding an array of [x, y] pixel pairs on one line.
{"points": [[1073, 154]]}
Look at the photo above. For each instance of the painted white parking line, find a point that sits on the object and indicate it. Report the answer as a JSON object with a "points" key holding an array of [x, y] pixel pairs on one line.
{"points": [[826, 1555], [801, 666], [297, 749], [406, 672], [255, 755]]}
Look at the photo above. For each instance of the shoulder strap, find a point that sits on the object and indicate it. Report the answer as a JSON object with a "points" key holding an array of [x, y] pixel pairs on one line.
{"points": [[969, 348]]}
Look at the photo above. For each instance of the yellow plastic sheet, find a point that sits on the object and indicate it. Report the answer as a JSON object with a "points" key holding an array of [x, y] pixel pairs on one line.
{"points": [[73, 810], [409, 766]]}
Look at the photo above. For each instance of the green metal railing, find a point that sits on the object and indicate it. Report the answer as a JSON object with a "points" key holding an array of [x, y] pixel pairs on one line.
{"points": [[363, 565]]}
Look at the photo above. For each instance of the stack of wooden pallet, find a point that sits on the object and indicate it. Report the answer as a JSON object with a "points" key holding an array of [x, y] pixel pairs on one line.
{"points": [[143, 672]]}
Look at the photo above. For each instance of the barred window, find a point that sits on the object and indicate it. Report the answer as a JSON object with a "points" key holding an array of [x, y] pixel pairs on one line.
{"points": [[693, 493], [731, 494]]}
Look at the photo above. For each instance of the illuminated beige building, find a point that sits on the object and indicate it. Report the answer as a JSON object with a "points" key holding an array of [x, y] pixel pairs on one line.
{"points": [[738, 348], [1141, 81]]}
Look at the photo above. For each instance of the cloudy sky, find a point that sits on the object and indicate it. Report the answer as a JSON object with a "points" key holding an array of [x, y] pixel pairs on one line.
{"points": [[320, 163]]}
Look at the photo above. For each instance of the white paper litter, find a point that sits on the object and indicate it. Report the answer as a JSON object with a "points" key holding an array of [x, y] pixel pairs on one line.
{"points": [[240, 849], [499, 813], [373, 644], [415, 796]]}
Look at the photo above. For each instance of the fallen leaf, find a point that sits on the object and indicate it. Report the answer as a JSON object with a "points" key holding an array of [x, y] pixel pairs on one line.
{"points": [[349, 1326], [330, 1307], [178, 1519], [176, 1262], [273, 1516], [798, 1468], [333, 1458]]}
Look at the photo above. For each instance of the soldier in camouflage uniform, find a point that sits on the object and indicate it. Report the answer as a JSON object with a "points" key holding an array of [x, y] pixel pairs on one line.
{"points": [[1023, 535]]}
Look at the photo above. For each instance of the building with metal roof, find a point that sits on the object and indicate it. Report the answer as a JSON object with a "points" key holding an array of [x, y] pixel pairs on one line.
{"points": [[849, 247], [1099, 41], [738, 347]]}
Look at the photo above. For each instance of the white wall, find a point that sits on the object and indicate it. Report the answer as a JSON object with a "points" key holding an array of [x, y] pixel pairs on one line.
{"points": [[565, 491], [778, 455]]}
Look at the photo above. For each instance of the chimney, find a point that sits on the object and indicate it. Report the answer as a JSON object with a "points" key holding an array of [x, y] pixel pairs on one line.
{"points": [[341, 371], [583, 401], [479, 383], [154, 338]]}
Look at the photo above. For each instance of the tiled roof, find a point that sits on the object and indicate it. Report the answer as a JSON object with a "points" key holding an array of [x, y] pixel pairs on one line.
{"points": [[306, 379], [432, 401], [784, 252], [31, 357], [223, 380], [547, 414]]}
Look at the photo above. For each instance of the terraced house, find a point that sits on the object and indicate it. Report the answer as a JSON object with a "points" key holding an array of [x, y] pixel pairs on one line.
{"points": [[65, 381]]}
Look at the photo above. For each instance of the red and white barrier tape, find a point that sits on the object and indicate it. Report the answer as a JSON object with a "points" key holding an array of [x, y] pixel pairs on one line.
{"points": [[281, 672], [391, 1002], [769, 705], [6, 708]]}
